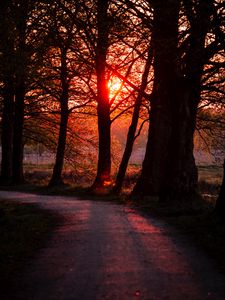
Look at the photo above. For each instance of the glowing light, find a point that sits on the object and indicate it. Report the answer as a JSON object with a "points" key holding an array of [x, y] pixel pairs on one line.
{"points": [[114, 85], [107, 183]]}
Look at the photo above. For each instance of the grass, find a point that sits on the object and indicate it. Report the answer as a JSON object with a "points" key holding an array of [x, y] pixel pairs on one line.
{"points": [[24, 229]]}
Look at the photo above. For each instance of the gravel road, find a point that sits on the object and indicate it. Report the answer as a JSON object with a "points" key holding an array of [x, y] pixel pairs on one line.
{"points": [[109, 251]]}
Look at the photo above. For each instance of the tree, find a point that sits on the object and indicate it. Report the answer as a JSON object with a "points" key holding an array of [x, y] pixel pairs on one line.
{"points": [[7, 78], [62, 40], [169, 168], [103, 176], [111, 45], [17, 58], [181, 177], [133, 126], [164, 43], [21, 11], [64, 75]]}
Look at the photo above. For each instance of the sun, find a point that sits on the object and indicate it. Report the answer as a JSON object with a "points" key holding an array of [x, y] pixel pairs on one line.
{"points": [[114, 85]]}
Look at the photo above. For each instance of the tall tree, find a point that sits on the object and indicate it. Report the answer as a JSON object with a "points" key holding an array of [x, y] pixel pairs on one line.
{"points": [[7, 78], [169, 168], [181, 177], [164, 43], [103, 106], [21, 11], [62, 40], [22, 35], [133, 126], [56, 178]]}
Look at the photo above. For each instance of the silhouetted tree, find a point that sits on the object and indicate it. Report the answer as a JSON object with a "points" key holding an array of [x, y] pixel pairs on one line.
{"points": [[7, 78], [62, 41], [169, 168], [133, 126], [64, 115], [103, 107], [164, 43], [21, 11]]}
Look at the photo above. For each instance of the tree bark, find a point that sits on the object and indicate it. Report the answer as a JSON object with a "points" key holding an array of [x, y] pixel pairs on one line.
{"points": [[169, 169], [103, 177], [180, 180], [7, 131], [7, 48], [133, 126], [56, 178], [17, 159], [64, 115], [164, 42], [21, 70]]}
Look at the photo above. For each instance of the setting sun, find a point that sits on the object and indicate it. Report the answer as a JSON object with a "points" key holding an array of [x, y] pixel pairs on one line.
{"points": [[114, 85]]}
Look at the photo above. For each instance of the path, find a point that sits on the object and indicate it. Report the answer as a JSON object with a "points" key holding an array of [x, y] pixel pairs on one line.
{"points": [[110, 252]]}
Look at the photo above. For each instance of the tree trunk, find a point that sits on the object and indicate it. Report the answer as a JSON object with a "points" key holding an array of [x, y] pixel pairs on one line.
{"points": [[60, 153], [7, 48], [103, 177], [180, 181], [220, 203], [7, 131], [169, 168], [64, 115], [18, 177], [132, 129], [164, 42], [21, 12]]}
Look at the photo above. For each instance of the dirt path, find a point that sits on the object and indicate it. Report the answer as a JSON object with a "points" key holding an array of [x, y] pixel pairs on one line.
{"points": [[109, 251]]}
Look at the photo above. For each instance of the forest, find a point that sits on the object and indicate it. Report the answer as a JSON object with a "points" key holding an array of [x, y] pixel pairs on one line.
{"points": [[71, 70]]}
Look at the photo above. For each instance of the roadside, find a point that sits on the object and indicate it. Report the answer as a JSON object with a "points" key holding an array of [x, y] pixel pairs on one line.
{"points": [[24, 229]]}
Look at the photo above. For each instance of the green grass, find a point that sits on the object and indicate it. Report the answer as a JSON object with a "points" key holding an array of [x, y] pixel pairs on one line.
{"points": [[24, 229]]}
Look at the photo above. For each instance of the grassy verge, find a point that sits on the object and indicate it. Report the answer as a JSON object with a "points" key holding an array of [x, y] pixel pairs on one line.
{"points": [[24, 229]]}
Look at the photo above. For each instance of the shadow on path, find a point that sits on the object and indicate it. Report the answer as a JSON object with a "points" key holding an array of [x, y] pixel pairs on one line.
{"points": [[109, 251]]}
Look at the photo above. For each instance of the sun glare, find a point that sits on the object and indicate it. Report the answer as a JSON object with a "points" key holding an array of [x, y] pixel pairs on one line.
{"points": [[114, 85]]}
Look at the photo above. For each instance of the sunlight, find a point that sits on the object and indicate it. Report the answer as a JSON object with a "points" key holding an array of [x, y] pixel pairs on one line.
{"points": [[114, 85]]}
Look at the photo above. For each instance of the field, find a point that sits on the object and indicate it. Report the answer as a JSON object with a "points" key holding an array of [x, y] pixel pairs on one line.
{"points": [[210, 177], [210, 174]]}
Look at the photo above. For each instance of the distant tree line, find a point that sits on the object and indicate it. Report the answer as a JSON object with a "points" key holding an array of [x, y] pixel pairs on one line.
{"points": [[57, 59]]}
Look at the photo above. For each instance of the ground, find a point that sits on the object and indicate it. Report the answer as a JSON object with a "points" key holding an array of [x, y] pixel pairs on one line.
{"points": [[110, 251]]}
